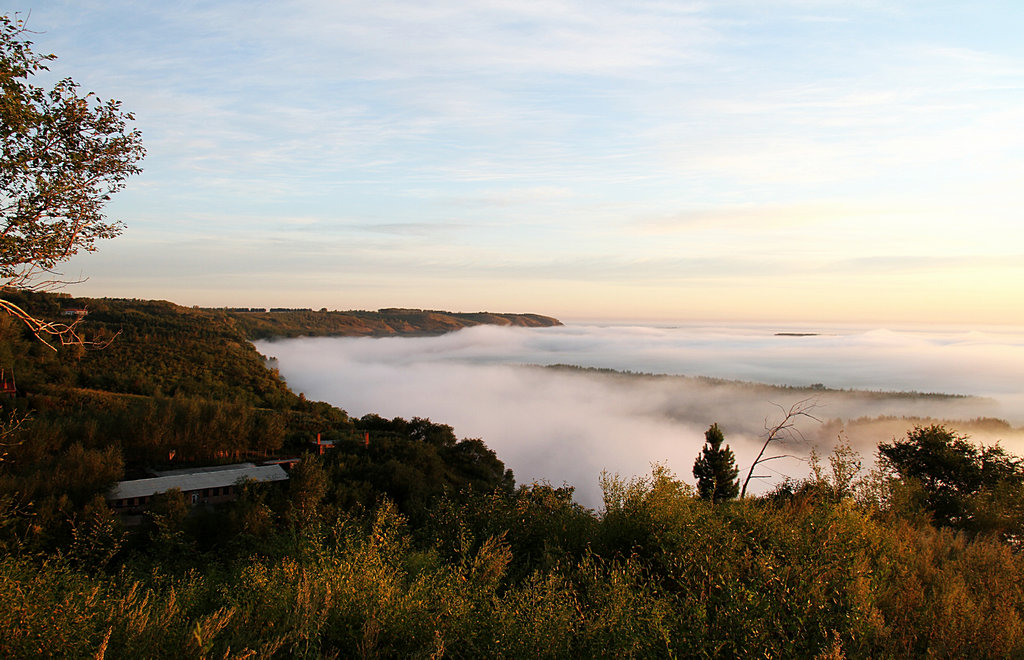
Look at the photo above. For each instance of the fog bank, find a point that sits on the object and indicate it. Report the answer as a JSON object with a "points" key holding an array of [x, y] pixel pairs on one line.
{"points": [[568, 425]]}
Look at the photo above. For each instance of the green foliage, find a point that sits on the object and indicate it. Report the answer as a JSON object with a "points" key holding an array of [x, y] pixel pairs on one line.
{"points": [[940, 594], [96, 535], [412, 463], [715, 469], [63, 156], [307, 486], [666, 575], [251, 518], [165, 523], [963, 486], [843, 479], [418, 544], [162, 350], [540, 524], [385, 322]]}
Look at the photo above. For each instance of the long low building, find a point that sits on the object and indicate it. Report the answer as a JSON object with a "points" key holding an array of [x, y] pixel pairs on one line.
{"points": [[208, 485]]}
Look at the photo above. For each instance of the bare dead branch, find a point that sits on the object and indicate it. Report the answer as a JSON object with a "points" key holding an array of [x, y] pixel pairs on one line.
{"points": [[63, 334], [34, 277], [9, 429], [786, 428]]}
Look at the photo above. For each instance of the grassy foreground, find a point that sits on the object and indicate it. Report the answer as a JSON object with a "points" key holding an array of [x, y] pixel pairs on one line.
{"points": [[530, 574]]}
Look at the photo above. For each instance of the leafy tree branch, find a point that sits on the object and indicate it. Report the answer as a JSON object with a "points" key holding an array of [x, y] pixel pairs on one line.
{"points": [[62, 155]]}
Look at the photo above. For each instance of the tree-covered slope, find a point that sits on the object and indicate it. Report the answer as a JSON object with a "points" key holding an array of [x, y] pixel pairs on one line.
{"points": [[166, 349], [179, 387], [382, 323]]}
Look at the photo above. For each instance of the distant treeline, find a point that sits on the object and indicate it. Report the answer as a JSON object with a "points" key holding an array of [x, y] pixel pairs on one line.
{"points": [[382, 323], [813, 389], [259, 309]]}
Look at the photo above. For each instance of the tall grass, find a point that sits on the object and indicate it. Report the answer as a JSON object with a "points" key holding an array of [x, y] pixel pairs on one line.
{"points": [[658, 573]]}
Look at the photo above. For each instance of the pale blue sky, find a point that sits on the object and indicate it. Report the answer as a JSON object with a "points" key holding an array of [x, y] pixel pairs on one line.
{"points": [[767, 160]]}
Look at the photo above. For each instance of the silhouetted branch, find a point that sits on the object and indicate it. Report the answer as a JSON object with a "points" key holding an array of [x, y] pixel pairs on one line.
{"points": [[9, 428], [785, 428], [64, 334]]}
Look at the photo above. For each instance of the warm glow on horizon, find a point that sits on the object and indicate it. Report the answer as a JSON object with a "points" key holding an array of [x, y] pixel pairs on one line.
{"points": [[775, 161]]}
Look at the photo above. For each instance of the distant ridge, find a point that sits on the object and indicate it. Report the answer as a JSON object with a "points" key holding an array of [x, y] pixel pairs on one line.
{"points": [[382, 323]]}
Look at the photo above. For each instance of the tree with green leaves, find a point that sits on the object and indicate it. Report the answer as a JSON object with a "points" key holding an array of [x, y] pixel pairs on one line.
{"points": [[968, 487], [715, 469], [62, 155]]}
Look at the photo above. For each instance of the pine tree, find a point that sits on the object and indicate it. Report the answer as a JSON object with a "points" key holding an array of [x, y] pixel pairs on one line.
{"points": [[715, 469]]}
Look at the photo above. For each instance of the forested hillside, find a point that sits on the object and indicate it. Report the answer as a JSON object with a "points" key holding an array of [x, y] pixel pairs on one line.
{"points": [[404, 541], [382, 323], [180, 387]]}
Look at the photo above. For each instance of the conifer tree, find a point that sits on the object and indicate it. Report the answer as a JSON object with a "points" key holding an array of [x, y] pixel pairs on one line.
{"points": [[715, 469]]}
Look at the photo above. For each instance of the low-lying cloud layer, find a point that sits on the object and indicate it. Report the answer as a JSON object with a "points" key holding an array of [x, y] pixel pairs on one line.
{"points": [[567, 426]]}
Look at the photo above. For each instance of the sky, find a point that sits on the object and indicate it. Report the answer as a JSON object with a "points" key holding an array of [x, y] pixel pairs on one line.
{"points": [[566, 426], [763, 160]]}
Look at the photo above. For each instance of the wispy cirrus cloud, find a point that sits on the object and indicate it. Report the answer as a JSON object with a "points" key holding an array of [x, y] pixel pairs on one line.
{"points": [[635, 142]]}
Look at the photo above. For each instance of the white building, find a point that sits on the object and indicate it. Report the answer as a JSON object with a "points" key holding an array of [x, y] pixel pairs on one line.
{"points": [[206, 485]]}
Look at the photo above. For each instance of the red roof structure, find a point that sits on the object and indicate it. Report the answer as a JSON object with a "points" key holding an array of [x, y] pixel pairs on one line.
{"points": [[7, 386]]}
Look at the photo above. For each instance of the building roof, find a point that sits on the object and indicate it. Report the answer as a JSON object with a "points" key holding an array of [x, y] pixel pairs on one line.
{"points": [[197, 470], [198, 479]]}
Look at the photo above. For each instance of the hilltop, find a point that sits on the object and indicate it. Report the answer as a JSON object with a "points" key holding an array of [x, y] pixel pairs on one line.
{"points": [[165, 349], [181, 386], [382, 323]]}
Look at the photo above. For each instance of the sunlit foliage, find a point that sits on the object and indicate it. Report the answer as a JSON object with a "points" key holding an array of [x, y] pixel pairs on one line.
{"points": [[403, 540]]}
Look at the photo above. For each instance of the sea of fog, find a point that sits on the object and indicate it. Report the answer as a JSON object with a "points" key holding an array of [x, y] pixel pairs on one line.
{"points": [[567, 426]]}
